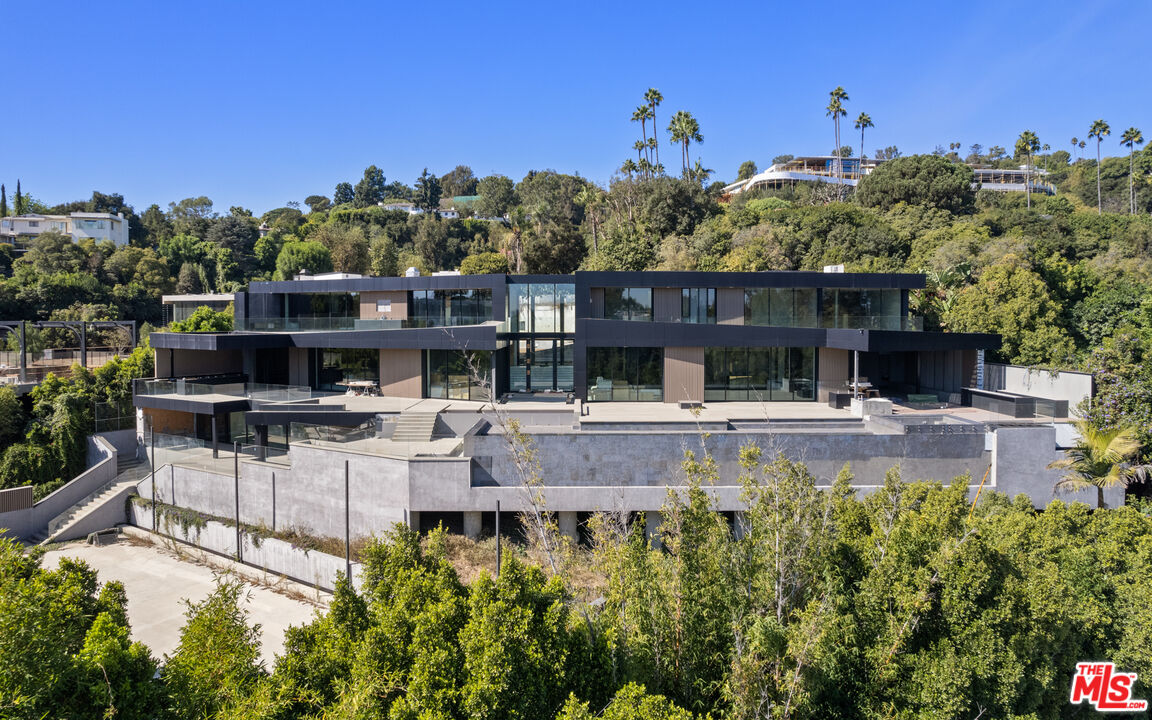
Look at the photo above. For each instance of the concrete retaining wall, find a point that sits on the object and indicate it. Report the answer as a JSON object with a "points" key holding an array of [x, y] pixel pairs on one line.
{"points": [[1020, 465], [1071, 386], [276, 556], [102, 469]]}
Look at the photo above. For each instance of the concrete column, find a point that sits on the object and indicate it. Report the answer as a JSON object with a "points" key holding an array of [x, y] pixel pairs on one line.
{"points": [[569, 526], [260, 438], [414, 520], [652, 523], [472, 524], [739, 525]]}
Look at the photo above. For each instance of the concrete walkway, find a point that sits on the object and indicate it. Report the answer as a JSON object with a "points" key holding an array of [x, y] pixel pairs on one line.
{"points": [[157, 580]]}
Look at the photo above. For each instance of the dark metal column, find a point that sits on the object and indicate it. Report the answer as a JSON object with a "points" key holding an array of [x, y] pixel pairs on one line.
{"points": [[84, 345]]}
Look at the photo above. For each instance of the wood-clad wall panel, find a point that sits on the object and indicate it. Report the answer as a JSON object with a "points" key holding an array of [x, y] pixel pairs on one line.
{"points": [[730, 306], [399, 310], [666, 304], [400, 373], [683, 374]]}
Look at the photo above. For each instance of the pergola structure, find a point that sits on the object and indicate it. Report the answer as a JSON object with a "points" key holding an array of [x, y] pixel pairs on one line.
{"points": [[78, 327]]}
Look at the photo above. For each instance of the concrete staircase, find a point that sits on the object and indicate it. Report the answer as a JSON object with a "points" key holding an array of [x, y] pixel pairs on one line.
{"points": [[62, 526], [414, 427]]}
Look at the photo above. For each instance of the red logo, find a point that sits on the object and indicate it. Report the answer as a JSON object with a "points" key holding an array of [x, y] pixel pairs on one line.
{"points": [[1105, 688]]}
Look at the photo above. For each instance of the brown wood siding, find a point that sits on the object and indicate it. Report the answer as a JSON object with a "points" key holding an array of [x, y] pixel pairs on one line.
{"points": [[399, 309], [835, 368], [730, 306], [598, 302], [19, 498], [666, 304], [400, 374], [170, 422], [298, 366], [683, 374]]}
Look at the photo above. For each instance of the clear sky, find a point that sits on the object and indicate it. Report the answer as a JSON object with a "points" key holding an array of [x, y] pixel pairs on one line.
{"points": [[259, 103]]}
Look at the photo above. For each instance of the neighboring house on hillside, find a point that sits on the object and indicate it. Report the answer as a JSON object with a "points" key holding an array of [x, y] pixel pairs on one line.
{"points": [[20, 230], [822, 169]]}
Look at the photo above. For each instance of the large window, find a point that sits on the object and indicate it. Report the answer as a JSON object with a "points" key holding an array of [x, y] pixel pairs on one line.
{"points": [[443, 308], [780, 307], [698, 305], [628, 303], [862, 309], [759, 374], [335, 367], [542, 307], [625, 374], [456, 374]]}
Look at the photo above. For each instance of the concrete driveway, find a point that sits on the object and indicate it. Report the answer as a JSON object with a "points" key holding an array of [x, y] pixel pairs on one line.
{"points": [[157, 580]]}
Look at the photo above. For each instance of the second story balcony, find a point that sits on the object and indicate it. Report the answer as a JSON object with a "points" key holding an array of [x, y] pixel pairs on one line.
{"points": [[305, 323]]}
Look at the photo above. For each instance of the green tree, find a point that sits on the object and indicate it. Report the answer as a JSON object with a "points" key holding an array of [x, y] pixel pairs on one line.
{"points": [[654, 99], [747, 170], [1026, 145], [460, 181], [918, 180], [1131, 138], [684, 129], [347, 247], [642, 115], [497, 196], [835, 110], [3, 201], [484, 264], [427, 192], [11, 417], [191, 216], [344, 194], [317, 203], [21, 205], [204, 319], [383, 259], [1098, 460], [217, 662], [296, 257], [631, 702], [863, 122], [53, 252], [1099, 131], [370, 190]]}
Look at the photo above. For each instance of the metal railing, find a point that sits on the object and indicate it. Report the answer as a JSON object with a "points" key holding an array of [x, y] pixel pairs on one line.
{"points": [[320, 324]]}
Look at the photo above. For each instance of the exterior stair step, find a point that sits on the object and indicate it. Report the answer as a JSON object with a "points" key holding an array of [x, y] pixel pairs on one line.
{"points": [[414, 427], [60, 525]]}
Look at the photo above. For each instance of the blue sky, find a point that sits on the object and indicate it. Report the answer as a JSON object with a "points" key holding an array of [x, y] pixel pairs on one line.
{"points": [[259, 103]]}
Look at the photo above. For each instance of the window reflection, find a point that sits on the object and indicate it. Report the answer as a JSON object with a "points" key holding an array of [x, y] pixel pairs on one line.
{"points": [[628, 303], [625, 374], [759, 374]]}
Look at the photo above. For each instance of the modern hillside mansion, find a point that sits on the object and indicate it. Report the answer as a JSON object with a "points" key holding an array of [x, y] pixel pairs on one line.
{"points": [[20, 230], [399, 392]]}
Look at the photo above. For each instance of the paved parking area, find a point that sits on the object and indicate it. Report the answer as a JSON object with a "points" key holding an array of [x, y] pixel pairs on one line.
{"points": [[157, 581]]}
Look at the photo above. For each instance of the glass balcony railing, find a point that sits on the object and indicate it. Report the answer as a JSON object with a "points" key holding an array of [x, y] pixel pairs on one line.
{"points": [[329, 324], [261, 392], [876, 322]]}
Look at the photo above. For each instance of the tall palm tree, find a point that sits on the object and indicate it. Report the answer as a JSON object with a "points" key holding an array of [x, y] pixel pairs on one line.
{"points": [[835, 110], [655, 148], [1075, 144], [864, 120], [684, 129], [1131, 138], [1044, 149], [629, 167], [1099, 460], [641, 115], [700, 173], [1027, 145], [654, 98], [1099, 131], [639, 147]]}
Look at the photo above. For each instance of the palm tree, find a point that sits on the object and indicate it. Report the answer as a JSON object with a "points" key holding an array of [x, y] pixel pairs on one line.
{"points": [[836, 111], [863, 121], [1045, 148], [700, 173], [1099, 460], [639, 147], [1075, 144], [654, 98], [591, 198], [641, 116], [629, 167], [1131, 138], [654, 147], [1026, 145], [684, 129], [1099, 131]]}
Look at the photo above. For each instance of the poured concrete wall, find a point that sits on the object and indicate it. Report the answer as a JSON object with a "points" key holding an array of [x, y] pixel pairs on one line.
{"points": [[1074, 387]]}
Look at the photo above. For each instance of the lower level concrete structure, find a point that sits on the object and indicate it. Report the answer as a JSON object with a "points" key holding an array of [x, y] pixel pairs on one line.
{"points": [[592, 457]]}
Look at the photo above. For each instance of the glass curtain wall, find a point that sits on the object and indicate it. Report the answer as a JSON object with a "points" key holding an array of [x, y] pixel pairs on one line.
{"points": [[625, 374], [779, 374], [543, 315], [698, 305], [321, 311], [444, 308], [780, 307], [862, 309], [336, 366], [628, 304], [449, 376]]}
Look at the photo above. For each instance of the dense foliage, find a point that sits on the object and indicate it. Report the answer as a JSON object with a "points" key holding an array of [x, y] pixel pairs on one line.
{"points": [[907, 603]]}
